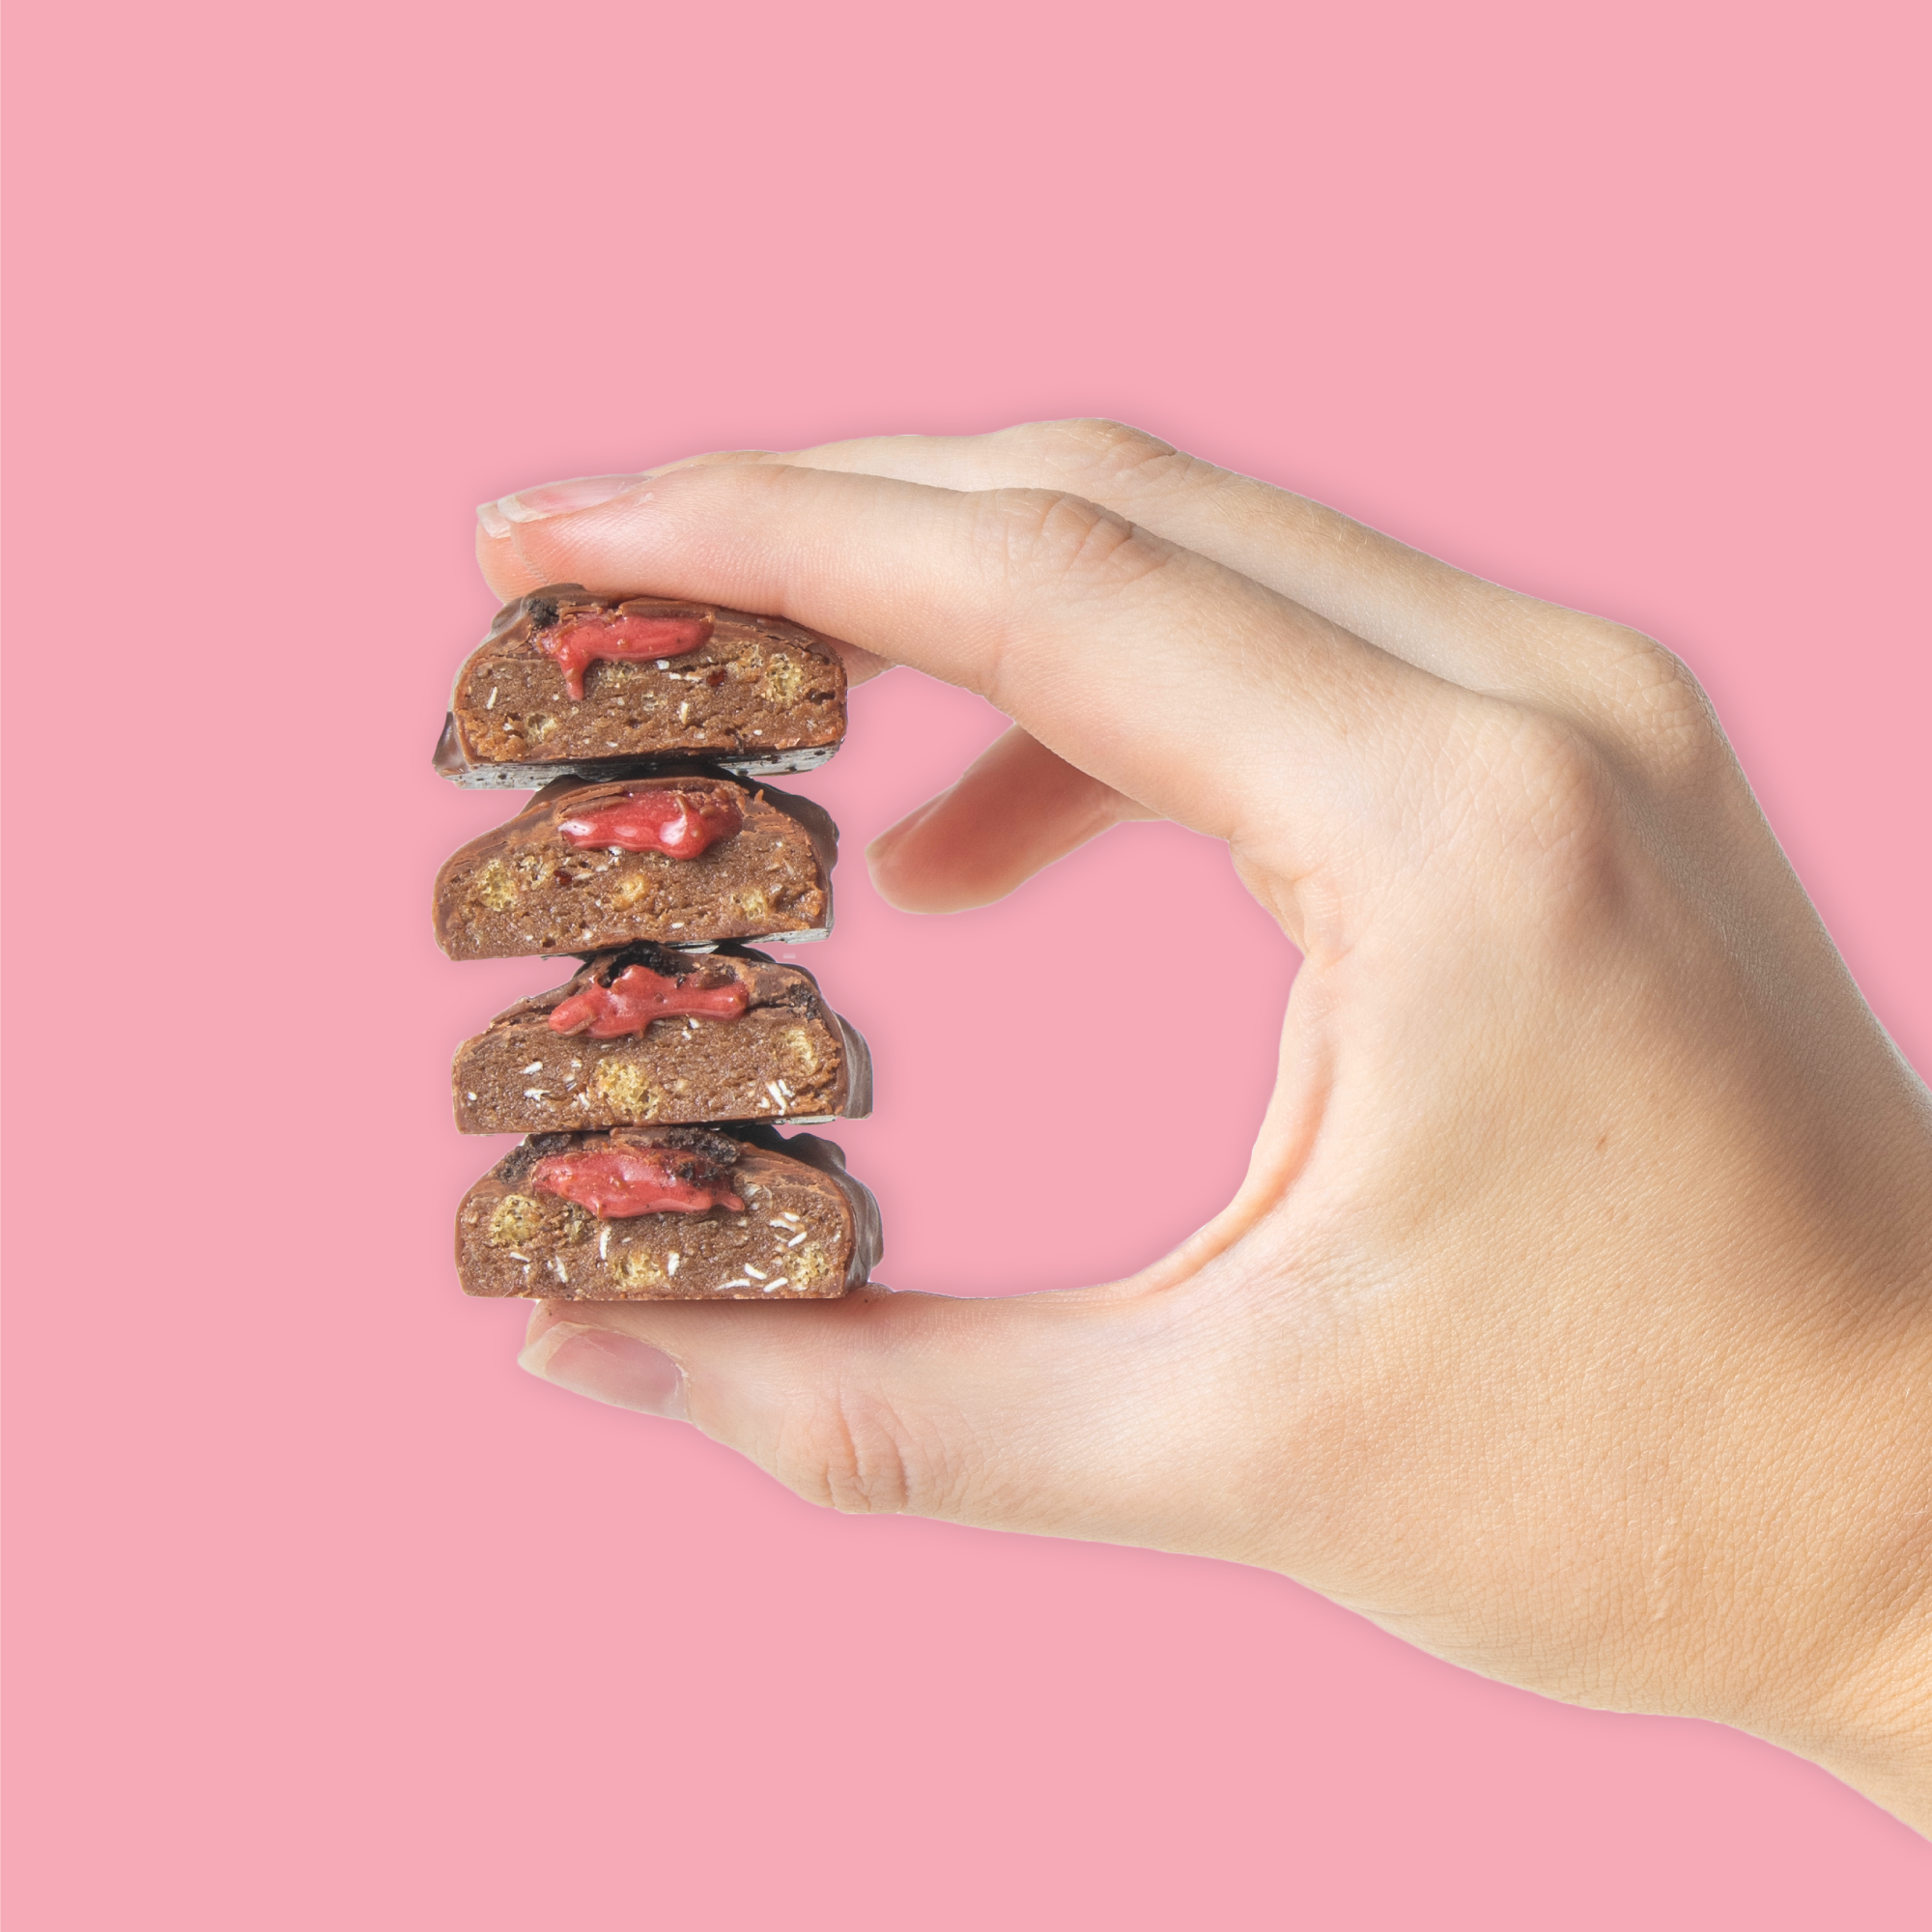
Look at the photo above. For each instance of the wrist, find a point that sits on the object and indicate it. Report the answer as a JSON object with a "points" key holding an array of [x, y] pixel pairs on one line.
{"points": [[1836, 1662]]}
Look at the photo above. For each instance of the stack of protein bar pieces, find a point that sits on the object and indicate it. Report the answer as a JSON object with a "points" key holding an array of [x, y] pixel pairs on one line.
{"points": [[649, 1084]]}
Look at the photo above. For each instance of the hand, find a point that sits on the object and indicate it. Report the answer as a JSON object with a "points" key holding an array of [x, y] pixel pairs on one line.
{"points": [[1575, 1317]]}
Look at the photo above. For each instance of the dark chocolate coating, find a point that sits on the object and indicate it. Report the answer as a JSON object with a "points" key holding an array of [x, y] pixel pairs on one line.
{"points": [[788, 1057], [809, 1231], [761, 695], [523, 889]]}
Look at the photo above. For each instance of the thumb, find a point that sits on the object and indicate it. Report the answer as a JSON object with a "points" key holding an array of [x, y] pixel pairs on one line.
{"points": [[1065, 1414]]}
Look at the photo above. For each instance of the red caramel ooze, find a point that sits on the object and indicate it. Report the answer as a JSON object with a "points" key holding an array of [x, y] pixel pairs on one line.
{"points": [[609, 686], [619, 1182], [681, 860], [653, 1036], [680, 822], [636, 997], [580, 640], [624, 1217]]}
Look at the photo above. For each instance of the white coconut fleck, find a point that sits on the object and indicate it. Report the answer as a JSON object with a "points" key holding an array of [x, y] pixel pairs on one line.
{"points": [[516, 1257], [757, 1274], [575, 1064], [677, 925], [470, 1096], [557, 1262], [535, 1093], [490, 702], [741, 1282], [769, 1286], [535, 1067], [670, 1261], [777, 1098], [781, 1282], [664, 663], [798, 1238], [604, 1242]]}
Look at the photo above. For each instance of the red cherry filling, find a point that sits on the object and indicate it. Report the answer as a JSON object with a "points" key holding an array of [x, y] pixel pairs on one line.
{"points": [[680, 823], [578, 643], [619, 1182], [636, 998]]}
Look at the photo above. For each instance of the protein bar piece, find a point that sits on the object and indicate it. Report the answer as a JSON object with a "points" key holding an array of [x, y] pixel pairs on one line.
{"points": [[680, 860], [608, 686], [648, 1035], [669, 1214]]}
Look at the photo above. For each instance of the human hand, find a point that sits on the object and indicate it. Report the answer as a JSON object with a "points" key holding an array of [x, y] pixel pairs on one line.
{"points": [[1574, 1319]]}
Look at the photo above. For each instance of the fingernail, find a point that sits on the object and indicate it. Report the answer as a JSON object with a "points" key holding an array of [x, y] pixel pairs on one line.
{"points": [[606, 1367], [552, 500]]}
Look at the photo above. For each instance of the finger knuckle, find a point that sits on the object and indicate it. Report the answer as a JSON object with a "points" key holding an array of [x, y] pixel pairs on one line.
{"points": [[1663, 716], [1562, 795], [1545, 803], [1113, 451], [1056, 542], [849, 1450], [1099, 458]]}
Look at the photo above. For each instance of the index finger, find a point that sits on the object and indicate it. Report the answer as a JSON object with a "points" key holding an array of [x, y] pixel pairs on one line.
{"points": [[1174, 679]]}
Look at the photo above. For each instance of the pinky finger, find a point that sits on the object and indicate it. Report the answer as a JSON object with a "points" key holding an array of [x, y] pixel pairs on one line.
{"points": [[1016, 810]]}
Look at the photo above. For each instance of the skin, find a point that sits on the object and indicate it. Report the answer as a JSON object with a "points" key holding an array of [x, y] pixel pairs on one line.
{"points": [[1574, 1319]]}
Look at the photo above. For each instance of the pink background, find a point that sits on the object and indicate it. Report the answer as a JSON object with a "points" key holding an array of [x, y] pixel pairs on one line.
{"points": [[325, 1614]]}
